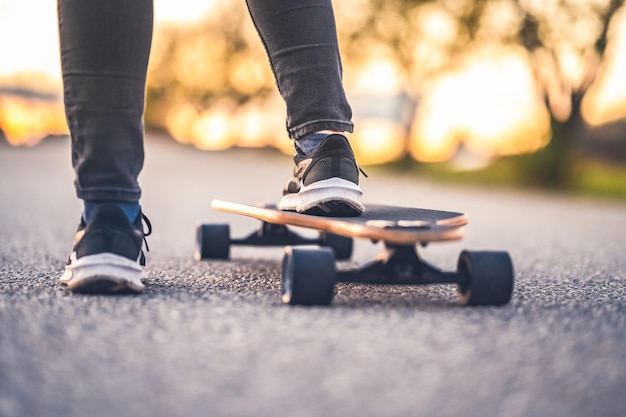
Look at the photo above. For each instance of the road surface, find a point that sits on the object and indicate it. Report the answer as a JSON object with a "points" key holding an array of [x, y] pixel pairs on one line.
{"points": [[213, 339]]}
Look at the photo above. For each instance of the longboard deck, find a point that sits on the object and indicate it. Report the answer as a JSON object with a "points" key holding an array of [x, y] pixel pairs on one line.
{"points": [[391, 224]]}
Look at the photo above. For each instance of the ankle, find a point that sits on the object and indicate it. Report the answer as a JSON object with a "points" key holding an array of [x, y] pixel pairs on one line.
{"points": [[131, 210], [309, 142]]}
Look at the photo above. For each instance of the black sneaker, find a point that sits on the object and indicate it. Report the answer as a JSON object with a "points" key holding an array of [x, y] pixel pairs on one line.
{"points": [[325, 182], [107, 257]]}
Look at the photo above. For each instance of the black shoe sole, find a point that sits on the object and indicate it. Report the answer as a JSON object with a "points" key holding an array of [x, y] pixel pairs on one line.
{"points": [[105, 286], [334, 209]]}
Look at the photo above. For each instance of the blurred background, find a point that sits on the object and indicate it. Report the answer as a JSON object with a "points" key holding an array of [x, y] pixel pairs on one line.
{"points": [[509, 92]]}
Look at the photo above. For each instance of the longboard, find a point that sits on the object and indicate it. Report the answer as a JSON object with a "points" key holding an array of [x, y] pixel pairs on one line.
{"points": [[390, 224], [309, 275]]}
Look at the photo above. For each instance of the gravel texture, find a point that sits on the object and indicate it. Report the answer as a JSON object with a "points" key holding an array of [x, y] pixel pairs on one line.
{"points": [[213, 338]]}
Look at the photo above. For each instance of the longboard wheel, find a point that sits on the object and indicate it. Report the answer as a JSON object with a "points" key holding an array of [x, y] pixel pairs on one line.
{"points": [[309, 276], [340, 244], [489, 276], [212, 241]]}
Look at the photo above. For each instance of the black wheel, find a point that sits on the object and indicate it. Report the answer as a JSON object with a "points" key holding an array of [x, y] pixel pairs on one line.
{"points": [[489, 276], [308, 276], [212, 241], [340, 244]]}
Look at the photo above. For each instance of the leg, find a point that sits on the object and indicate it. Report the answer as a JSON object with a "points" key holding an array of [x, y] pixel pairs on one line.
{"points": [[301, 41], [104, 54]]}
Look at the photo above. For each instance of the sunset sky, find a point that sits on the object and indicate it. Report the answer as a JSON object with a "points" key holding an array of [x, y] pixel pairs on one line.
{"points": [[29, 38]]}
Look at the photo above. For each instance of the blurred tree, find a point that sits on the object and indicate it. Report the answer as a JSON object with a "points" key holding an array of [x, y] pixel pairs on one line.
{"points": [[199, 64], [565, 41]]}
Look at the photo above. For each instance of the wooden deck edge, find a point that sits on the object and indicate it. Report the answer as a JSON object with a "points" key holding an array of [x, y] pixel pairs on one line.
{"points": [[452, 230]]}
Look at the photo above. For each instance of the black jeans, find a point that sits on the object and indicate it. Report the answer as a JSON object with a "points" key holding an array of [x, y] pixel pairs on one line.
{"points": [[105, 46]]}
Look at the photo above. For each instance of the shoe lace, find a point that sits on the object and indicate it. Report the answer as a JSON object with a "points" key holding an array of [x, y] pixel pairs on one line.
{"points": [[149, 225], [363, 172]]}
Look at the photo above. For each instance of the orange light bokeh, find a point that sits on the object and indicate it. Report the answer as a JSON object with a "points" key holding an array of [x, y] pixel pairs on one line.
{"points": [[606, 101], [31, 108], [491, 102]]}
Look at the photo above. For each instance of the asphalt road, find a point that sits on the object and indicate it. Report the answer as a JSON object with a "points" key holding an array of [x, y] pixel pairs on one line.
{"points": [[213, 339]]}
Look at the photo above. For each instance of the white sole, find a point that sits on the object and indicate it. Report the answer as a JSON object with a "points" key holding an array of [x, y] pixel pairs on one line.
{"points": [[103, 273], [323, 195]]}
